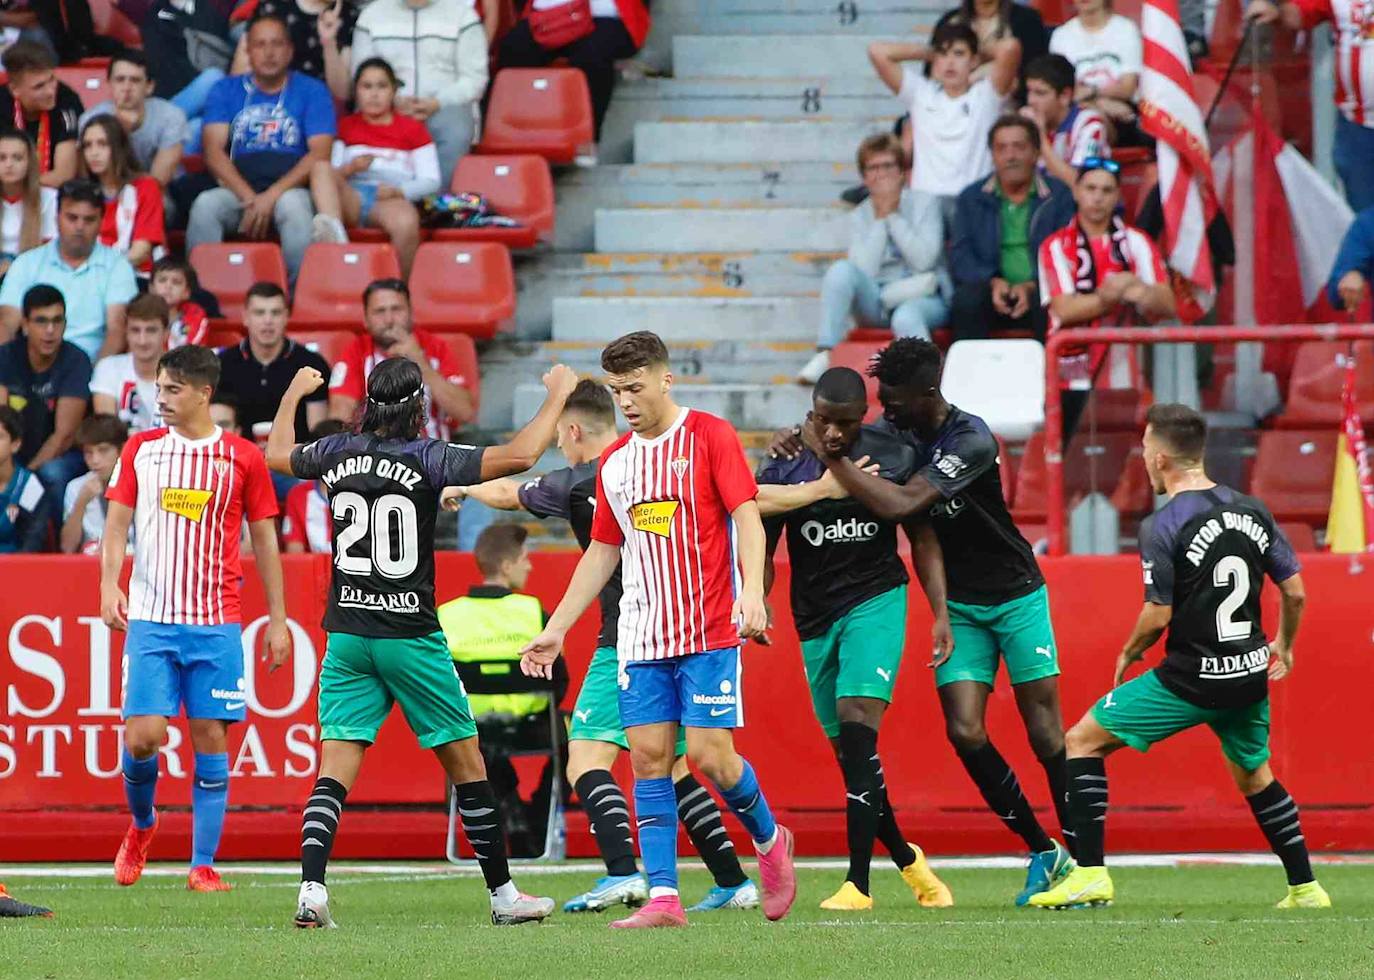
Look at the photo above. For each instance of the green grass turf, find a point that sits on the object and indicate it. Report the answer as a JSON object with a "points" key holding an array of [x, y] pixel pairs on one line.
{"points": [[1214, 922]]}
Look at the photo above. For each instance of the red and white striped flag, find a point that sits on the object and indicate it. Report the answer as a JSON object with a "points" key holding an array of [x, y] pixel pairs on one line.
{"points": [[1169, 113]]}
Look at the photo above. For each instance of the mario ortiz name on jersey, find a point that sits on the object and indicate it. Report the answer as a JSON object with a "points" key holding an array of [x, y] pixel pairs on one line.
{"points": [[1230, 521], [387, 469], [843, 531]]}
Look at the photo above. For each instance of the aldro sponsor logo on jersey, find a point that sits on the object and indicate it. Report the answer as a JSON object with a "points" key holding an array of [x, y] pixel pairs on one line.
{"points": [[186, 502], [654, 516], [842, 531]]}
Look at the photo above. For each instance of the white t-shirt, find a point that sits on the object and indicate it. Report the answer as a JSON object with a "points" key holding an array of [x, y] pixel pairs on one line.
{"points": [[1103, 56], [12, 220], [949, 137], [92, 521], [135, 399]]}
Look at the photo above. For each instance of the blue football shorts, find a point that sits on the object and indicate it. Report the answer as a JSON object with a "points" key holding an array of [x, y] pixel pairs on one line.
{"points": [[700, 690], [167, 666]]}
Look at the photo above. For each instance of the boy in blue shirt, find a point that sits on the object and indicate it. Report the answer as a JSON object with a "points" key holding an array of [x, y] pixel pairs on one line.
{"points": [[23, 519]]}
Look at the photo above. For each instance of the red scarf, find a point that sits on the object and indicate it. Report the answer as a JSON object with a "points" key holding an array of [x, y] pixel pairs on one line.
{"points": [[44, 136]]}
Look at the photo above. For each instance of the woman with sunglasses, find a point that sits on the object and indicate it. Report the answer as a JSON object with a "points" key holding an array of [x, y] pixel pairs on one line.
{"points": [[134, 223], [28, 211]]}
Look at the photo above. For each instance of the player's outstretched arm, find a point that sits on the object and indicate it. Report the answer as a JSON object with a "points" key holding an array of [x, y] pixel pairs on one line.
{"points": [[114, 604], [929, 560], [282, 439], [1292, 601], [264, 536], [751, 611], [529, 443], [1149, 627], [500, 494], [593, 571], [779, 498]]}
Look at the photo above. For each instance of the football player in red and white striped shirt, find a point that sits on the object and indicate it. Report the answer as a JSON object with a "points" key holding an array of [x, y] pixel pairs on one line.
{"points": [[675, 498], [189, 487]]}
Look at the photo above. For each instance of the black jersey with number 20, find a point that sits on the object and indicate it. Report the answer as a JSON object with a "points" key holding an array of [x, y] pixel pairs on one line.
{"points": [[383, 497], [1206, 554]]}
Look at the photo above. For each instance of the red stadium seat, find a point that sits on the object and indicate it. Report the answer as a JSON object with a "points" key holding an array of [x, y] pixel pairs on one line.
{"points": [[223, 333], [329, 344], [1300, 536], [110, 22], [1138, 178], [463, 288], [90, 83], [1115, 410], [1293, 473], [857, 355], [227, 269], [329, 287], [547, 111], [1106, 455], [518, 187], [1314, 391], [465, 350], [1133, 496]]}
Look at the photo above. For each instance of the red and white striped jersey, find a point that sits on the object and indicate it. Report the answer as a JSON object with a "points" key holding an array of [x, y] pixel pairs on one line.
{"points": [[190, 498], [666, 503], [1081, 135], [308, 520], [1352, 23]]}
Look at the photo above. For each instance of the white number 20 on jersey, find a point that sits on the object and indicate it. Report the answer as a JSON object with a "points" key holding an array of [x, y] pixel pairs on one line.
{"points": [[389, 511]]}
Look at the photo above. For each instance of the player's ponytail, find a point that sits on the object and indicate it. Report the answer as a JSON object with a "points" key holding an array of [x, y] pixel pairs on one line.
{"points": [[395, 403]]}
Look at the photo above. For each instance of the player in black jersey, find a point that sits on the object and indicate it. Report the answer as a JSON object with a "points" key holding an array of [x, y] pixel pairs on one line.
{"points": [[1205, 556], [385, 645], [849, 604], [596, 737], [998, 604]]}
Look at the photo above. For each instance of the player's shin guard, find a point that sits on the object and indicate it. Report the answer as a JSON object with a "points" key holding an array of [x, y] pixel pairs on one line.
{"points": [[697, 810], [609, 813], [1277, 814], [863, 801], [747, 801], [1002, 791], [319, 824], [888, 832], [1088, 808], [209, 800], [482, 826], [1057, 774], [656, 817], [140, 786]]}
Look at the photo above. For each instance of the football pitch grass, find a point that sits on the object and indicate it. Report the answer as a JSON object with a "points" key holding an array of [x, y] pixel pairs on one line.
{"points": [[1213, 921]]}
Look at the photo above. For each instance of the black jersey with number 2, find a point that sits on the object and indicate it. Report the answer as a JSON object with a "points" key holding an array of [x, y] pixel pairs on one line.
{"points": [[570, 493], [383, 496], [1206, 554]]}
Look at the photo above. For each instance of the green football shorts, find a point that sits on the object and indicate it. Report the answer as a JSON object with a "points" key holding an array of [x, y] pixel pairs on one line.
{"points": [[1019, 630], [363, 676], [1143, 711], [596, 716], [857, 657]]}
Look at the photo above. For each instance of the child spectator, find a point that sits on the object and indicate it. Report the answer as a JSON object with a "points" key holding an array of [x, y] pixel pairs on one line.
{"points": [[133, 222], [126, 384], [101, 438], [175, 281], [43, 107], [1107, 55], [28, 211], [307, 524], [23, 520], [951, 115], [993, 20], [1069, 133], [382, 163]]}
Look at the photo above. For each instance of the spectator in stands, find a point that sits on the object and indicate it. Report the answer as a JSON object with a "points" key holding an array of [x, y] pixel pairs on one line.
{"points": [[23, 520], [263, 132], [307, 524], [157, 129], [1094, 268], [257, 371], [95, 280], [1106, 52], [993, 20], [1348, 286], [999, 224], [1069, 132], [28, 210], [383, 162], [47, 379], [891, 275], [101, 438], [951, 115], [133, 223], [545, 33], [1353, 151], [224, 412], [188, 41], [390, 333], [49, 110], [19, 17], [321, 34], [439, 52], [125, 385], [175, 281]]}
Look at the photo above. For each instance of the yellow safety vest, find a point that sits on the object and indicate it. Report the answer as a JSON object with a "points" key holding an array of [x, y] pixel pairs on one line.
{"points": [[492, 631]]}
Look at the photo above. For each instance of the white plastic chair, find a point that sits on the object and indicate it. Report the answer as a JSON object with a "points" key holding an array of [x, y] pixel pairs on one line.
{"points": [[1001, 381]]}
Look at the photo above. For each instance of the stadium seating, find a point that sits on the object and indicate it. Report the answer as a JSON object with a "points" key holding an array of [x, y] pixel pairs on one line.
{"points": [[1002, 381], [517, 186], [223, 333], [1300, 536], [1133, 496], [465, 350], [329, 344], [463, 288], [227, 269], [1314, 391], [329, 287], [857, 355], [87, 81], [1105, 456], [110, 22], [547, 111], [1293, 473], [1138, 178]]}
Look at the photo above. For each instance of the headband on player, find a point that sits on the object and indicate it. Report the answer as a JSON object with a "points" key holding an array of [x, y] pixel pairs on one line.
{"points": [[398, 401]]}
